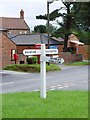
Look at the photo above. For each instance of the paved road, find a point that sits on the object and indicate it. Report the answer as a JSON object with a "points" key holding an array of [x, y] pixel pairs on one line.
{"points": [[69, 78]]}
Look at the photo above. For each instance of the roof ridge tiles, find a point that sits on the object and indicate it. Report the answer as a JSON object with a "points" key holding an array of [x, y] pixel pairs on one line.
{"points": [[11, 17]]}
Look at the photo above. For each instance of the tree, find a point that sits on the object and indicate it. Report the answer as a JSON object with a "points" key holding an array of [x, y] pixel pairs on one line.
{"points": [[40, 29], [81, 21], [67, 23], [53, 15], [76, 18], [52, 28], [66, 19], [82, 15]]}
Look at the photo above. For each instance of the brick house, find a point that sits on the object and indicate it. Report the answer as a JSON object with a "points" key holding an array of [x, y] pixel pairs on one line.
{"points": [[15, 25], [73, 42], [76, 50], [6, 47], [10, 27]]}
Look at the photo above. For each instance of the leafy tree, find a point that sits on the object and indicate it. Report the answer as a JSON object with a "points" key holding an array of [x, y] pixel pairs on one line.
{"points": [[81, 12], [81, 21], [66, 19], [76, 18], [40, 29], [52, 28], [53, 15]]}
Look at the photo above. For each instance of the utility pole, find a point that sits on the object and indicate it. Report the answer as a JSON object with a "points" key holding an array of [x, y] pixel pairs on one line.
{"points": [[48, 26], [48, 20]]}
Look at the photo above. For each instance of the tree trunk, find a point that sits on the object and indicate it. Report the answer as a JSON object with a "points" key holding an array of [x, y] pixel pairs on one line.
{"points": [[67, 27]]}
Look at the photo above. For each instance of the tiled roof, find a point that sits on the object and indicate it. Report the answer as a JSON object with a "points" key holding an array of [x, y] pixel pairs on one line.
{"points": [[13, 23], [32, 39]]}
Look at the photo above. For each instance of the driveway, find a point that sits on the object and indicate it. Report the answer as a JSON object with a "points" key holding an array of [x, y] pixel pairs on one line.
{"points": [[69, 78]]}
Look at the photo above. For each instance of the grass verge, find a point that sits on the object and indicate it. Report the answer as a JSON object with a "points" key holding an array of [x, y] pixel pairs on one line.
{"points": [[31, 68], [78, 63], [58, 104]]}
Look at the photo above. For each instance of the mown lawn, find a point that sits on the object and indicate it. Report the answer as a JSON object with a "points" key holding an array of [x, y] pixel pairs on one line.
{"points": [[78, 63], [58, 104], [0, 106]]}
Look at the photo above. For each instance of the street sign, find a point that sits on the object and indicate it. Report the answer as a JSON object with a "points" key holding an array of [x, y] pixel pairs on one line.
{"points": [[38, 51], [31, 52], [52, 60], [44, 58], [51, 51], [56, 60], [53, 47]]}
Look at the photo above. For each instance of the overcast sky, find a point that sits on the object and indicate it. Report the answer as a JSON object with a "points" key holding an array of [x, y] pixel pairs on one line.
{"points": [[32, 8]]}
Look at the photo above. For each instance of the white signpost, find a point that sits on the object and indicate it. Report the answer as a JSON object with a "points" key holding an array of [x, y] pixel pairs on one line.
{"points": [[43, 60], [43, 73]]}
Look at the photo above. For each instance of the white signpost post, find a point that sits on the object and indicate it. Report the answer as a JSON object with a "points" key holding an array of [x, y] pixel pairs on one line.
{"points": [[43, 60], [43, 73]]}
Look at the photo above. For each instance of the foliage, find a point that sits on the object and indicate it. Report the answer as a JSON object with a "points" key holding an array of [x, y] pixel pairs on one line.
{"points": [[81, 22], [81, 11], [23, 68], [44, 29], [76, 18], [30, 67], [84, 37], [52, 28], [40, 29], [53, 15], [31, 60], [58, 104]]}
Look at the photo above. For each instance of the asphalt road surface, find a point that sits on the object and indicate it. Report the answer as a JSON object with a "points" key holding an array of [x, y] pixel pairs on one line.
{"points": [[69, 78]]}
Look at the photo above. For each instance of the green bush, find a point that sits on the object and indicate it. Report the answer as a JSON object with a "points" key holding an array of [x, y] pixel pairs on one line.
{"points": [[31, 60], [31, 68]]}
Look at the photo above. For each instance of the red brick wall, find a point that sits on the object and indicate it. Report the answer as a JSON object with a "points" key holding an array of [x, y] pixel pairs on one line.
{"points": [[20, 52], [21, 48], [0, 50], [68, 57], [85, 51], [60, 48], [7, 46]]}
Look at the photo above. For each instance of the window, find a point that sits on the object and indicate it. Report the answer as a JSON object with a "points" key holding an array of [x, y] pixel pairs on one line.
{"points": [[25, 32], [13, 51], [20, 32]]}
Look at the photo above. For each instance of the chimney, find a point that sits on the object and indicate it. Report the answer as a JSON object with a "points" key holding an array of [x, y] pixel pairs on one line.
{"points": [[22, 14]]}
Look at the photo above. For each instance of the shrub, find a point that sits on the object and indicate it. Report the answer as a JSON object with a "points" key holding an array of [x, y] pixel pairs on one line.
{"points": [[31, 60]]}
